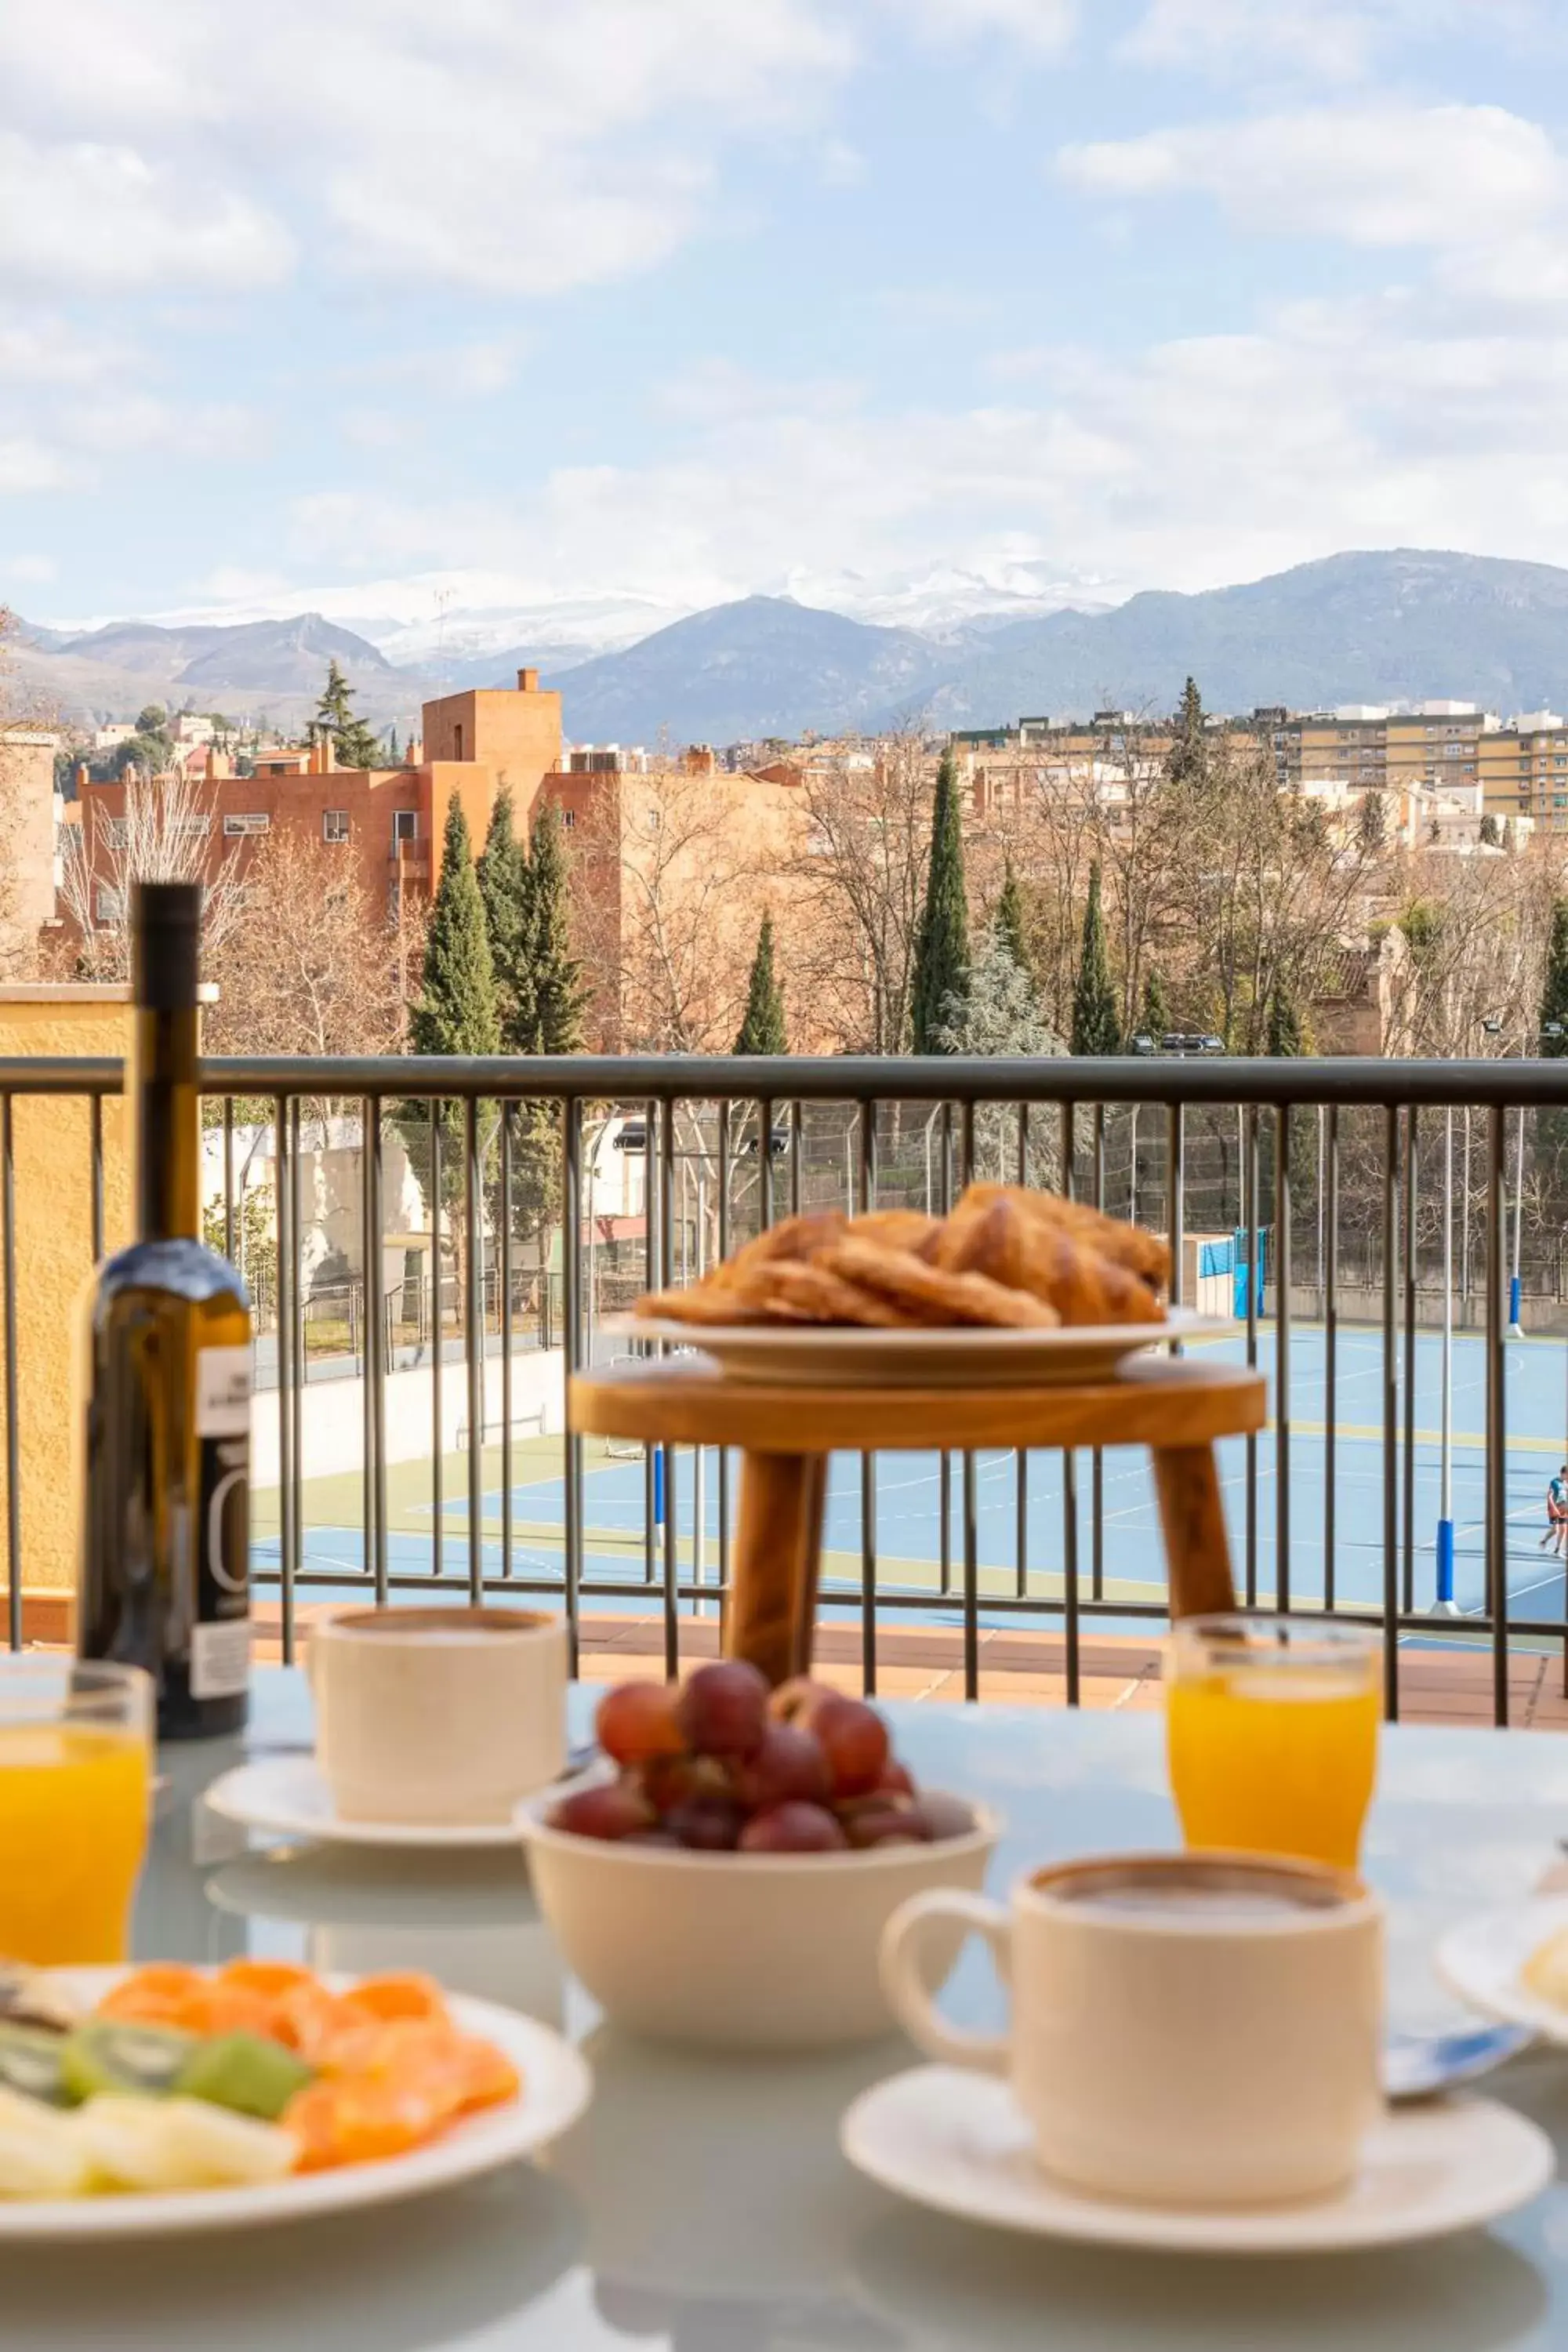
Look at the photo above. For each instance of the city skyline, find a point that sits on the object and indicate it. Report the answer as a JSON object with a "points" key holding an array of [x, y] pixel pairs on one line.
{"points": [[892, 308]]}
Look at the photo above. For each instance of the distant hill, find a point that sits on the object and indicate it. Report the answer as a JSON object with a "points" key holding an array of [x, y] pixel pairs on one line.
{"points": [[765, 666], [278, 667], [1403, 626]]}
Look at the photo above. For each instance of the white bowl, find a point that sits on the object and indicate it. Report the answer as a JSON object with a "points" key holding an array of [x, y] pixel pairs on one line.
{"points": [[741, 1951]]}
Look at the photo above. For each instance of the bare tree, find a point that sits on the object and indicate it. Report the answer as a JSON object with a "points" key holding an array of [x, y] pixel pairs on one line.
{"points": [[307, 962], [857, 883], [164, 835]]}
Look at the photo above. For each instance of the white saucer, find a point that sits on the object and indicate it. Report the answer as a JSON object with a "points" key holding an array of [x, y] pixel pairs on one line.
{"points": [[1481, 1959], [287, 1793], [957, 2142]]}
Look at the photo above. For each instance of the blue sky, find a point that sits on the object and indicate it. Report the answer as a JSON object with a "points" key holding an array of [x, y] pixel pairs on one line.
{"points": [[621, 307]]}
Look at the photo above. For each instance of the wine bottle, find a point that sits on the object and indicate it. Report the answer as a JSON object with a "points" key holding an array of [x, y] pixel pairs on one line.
{"points": [[164, 1571]]}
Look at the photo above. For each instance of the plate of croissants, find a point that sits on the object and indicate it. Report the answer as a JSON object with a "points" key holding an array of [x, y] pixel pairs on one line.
{"points": [[1011, 1286]]}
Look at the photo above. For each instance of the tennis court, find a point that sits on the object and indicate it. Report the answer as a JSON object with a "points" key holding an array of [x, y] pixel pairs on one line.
{"points": [[909, 1514]]}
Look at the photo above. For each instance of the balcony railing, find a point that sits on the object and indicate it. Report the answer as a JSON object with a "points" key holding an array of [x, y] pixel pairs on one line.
{"points": [[1335, 1245]]}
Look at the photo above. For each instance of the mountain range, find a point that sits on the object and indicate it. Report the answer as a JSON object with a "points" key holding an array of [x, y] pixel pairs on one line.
{"points": [[1405, 624]]}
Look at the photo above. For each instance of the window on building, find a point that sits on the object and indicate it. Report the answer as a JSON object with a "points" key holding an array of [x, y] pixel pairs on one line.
{"points": [[334, 824], [653, 820], [568, 819], [116, 831], [110, 904], [457, 737], [404, 822], [246, 821]]}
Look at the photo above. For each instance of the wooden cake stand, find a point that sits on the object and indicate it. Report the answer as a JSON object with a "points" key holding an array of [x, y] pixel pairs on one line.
{"points": [[1176, 1407]]}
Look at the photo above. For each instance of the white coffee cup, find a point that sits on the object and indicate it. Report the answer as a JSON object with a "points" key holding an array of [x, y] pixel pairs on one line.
{"points": [[1196, 2029], [438, 1714]]}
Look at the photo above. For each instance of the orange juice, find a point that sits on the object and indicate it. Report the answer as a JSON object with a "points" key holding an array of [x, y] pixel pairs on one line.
{"points": [[1275, 1762], [73, 1828]]}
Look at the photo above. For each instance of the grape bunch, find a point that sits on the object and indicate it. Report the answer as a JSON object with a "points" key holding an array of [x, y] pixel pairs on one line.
{"points": [[721, 1765]]}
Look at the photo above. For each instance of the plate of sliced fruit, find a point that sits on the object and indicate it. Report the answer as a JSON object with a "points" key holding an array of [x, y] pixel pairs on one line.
{"points": [[168, 2099]]}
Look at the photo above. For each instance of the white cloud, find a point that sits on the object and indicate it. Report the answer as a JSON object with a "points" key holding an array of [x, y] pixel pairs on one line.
{"points": [[37, 348], [90, 216], [1044, 26], [27, 465], [131, 421], [514, 145], [1377, 175], [1330, 40]]}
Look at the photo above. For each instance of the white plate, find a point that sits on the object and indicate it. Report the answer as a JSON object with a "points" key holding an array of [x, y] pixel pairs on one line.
{"points": [[799, 1355], [287, 1793], [958, 2142], [1481, 1958], [556, 2087]]}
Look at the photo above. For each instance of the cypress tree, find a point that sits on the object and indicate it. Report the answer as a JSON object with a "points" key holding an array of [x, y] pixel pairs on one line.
{"points": [[457, 1013], [559, 998], [1096, 1028], [941, 946], [1154, 1019], [1285, 1034], [763, 1029], [354, 745], [506, 886], [1188, 757], [1555, 987], [1009, 919]]}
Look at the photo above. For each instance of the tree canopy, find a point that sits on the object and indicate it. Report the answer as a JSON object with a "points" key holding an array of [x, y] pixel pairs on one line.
{"points": [[941, 946], [1096, 1026], [354, 744], [762, 1028]]}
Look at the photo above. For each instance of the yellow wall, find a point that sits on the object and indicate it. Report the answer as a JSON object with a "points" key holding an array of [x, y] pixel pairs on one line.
{"points": [[53, 1255]]}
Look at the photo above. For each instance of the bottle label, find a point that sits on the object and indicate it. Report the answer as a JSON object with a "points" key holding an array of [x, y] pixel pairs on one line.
{"points": [[220, 1638]]}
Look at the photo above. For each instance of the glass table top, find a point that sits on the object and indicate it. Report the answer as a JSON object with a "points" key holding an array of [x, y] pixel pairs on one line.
{"points": [[701, 2204]]}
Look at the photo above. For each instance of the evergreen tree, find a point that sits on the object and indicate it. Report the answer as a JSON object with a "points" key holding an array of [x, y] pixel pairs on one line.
{"points": [[1555, 987], [1009, 920], [560, 997], [763, 1030], [506, 886], [1155, 1018], [1096, 1028], [1285, 1036], [457, 1013], [1490, 837], [353, 744], [941, 946], [1372, 823], [393, 756], [1508, 836], [1187, 759]]}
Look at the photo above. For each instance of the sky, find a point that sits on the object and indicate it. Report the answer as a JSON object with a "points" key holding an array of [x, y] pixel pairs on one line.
{"points": [[616, 307]]}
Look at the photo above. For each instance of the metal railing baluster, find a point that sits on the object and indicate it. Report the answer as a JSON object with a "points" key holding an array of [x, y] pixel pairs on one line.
{"points": [[1021, 1458], [1390, 1420], [971, 1498], [1070, 1459], [1496, 1419], [13, 1432], [438, 1433], [652, 1460], [1409, 1242], [287, 1370], [1330, 1338], [1282, 1269], [571, 1302], [666, 1276], [1254, 1284], [377, 1335], [866, 1198], [503, 1321], [473, 1344], [1096, 1459]]}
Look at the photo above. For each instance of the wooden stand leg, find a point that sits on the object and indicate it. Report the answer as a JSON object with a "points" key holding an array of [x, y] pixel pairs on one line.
{"points": [[1197, 1550], [777, 1550]]}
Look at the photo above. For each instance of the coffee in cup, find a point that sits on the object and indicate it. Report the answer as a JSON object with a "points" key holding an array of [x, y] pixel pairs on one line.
{"points": [[438, 1715], [1198, 2028]]}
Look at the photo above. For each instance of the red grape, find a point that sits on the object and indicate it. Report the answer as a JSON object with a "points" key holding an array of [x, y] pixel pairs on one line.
{"points": [[872, 1820], [944, 1817], [855, 1741], [610, 1809], [723, 1709], [797, 1700], [707, 1824], [670, 1780], [637, 1721], [788, 1764], [897, 1779], [794, 1828]]}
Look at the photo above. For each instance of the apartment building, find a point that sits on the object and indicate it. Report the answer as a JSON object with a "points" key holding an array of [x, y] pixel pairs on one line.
{"points": [[30, 811], [1524, 770]]}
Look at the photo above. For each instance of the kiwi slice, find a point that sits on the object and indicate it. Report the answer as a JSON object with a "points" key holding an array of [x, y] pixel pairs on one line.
{"points": [[245, 2072], [144, 2058], [30, 2062]]}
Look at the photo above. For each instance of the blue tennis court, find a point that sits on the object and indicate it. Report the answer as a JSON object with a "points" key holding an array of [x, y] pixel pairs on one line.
{"points": [[909, 1513]]}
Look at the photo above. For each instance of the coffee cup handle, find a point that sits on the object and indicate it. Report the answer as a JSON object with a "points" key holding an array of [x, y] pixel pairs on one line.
{"points": [[903, 1939]]}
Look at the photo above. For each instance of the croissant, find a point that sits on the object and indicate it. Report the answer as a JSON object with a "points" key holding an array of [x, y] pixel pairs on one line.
{"points": [[934, 1295], [1029, 1254], [813, 1293], [1142, 1254], [792, 1237]]}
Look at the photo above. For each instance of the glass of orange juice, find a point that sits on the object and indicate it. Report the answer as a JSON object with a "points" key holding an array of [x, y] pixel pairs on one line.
{"points": [[76, 1745], [1271, 1733]]}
